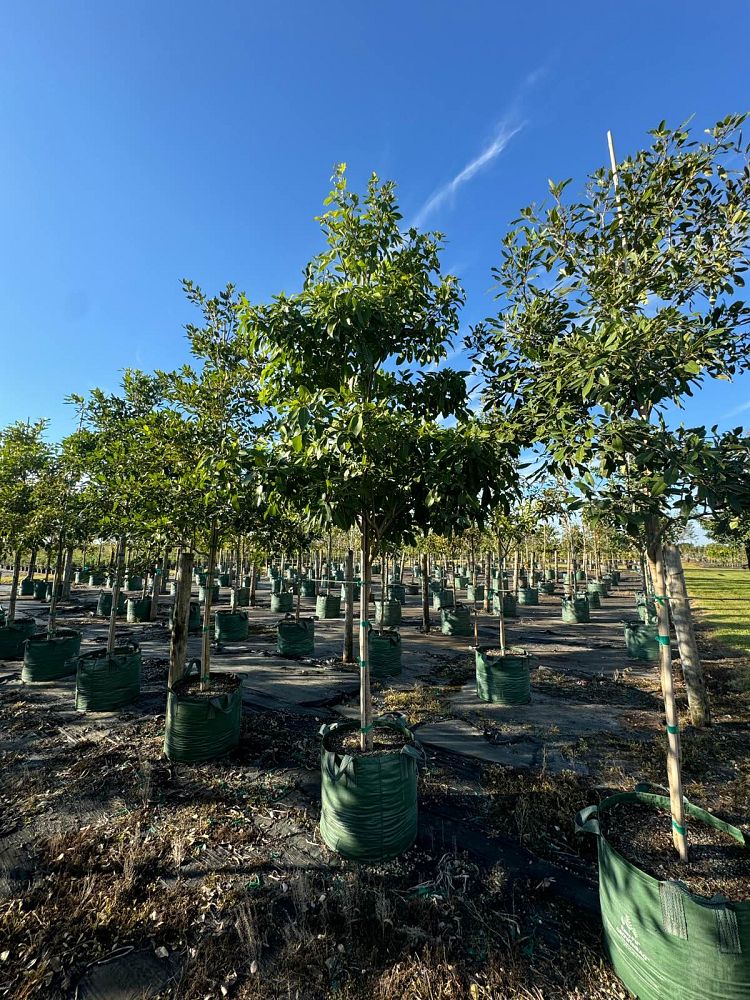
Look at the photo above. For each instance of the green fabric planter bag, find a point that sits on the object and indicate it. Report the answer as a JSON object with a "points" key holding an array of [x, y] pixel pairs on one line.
{"points": [[443, 599], [214, 595], [642, 641], [224, 579], [413, 589], [242, 596], [510, 605], [133, 583], [282, 603], [328, 606], [357, 589], [47, 659], [388, 613], [547, 587], [27, 587], [230, 626], [139, 610], [455, 621], [503, 680], [308, 588], [664, 942], [295, 638], [384, 653], [646, 606], [595, 600], [13, 636], [397, 592], [96, 579], [106, 681], [575, 610], [104, 604], [40, 590], [195, 618], [528, 595], [369, 804], [598, 587], [201, 727], [475, 592]]}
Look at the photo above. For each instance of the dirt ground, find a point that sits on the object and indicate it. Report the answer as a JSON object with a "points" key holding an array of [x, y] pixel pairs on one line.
{"points": [[123, 876]]}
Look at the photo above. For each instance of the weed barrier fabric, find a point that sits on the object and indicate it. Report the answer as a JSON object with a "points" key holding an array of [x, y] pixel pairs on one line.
{"points": [[296, 638], [665, 942], [384, 651], [106, 681], [49, 658], [369, 803], [503, 680], [200, 728]]}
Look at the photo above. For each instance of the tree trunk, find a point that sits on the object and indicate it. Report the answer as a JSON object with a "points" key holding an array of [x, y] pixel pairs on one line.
{"points": [[32, 565], [56, 582], [365, 698], [153, 611], [206, 644], [180, 616], [692, 668], [747, 553], [655, 557], [348, 656], [68, 573], [425, 595], [488, 581], [14, 587], [253, 583], [116, 584], [164, 575]]}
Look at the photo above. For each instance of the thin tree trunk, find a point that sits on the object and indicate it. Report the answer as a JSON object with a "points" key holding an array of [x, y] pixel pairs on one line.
{"points": [[425, 594], [365, 699], [68, 573], [488, 581], [692, 668], [32, 565], [747, 554], [180, 616], [253, 583], [56, 582], [164, 575], [348, 656], [674, 763], [14, 587], [116, 584], [206, 639]]}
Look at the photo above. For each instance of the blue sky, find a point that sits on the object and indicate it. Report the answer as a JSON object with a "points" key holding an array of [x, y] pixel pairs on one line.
{"points": [[148, 141]]}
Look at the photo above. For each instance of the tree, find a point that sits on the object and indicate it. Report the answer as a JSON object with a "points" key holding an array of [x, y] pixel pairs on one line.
{"points": [[347, 371], [613, 309], [24, 457]]}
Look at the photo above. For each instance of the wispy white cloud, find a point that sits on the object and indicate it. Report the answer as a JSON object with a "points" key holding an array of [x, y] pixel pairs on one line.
{"points": [[500, 141], [736, 412], [510, 125]]}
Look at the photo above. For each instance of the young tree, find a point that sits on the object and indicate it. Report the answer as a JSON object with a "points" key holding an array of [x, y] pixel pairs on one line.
{"points": [[615, 308]]}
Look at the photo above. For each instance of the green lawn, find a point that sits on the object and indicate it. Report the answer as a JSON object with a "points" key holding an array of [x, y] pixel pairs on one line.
{"points": [[724, 596]]}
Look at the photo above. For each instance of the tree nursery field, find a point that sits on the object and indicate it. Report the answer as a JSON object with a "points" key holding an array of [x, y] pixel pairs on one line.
{"points": [[328, 670]]}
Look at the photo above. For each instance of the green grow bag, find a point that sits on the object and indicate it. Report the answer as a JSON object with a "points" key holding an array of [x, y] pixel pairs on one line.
{"points": [[48, 592], [384, 652], [435, 587], [104, 604], [503, 680], [133, 583], [201, 727], [202, 593], [475, 592], [455, 621], [338, 575], [595, 600], [549, 574], [243, 596], [665, 942], [78, 576], [200, 579], [413, 589], [296, 638], [388, 612], [223, 579], [580, 576], [27, 587], [397, 592], [247, 581], [646, 606], [443, 599], [547, 587], [576, 610], [40, 590], [106, 681], [139, 610], [282, 603], [598, 587], [369, 804], [277, 585], [328, 606], [96, 579], [462, 582], [13, 636], [308, 588], [509, 605], [47, 659], [230, 626], [528, 595], [356, 592], [376, 568], [642, 641], [195, 618]]}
